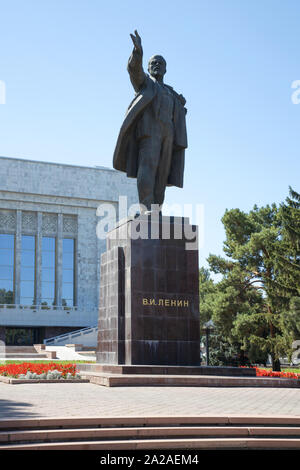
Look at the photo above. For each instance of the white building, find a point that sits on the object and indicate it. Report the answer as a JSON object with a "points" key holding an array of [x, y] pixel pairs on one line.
{"points": [[49, 249]]}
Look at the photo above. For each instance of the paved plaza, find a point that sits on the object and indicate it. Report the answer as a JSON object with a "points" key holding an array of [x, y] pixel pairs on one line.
{"points": [[89, 400]]}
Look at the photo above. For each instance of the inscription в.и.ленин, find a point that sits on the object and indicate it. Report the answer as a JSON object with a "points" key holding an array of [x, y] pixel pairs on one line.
{"points": [[166, 302]]}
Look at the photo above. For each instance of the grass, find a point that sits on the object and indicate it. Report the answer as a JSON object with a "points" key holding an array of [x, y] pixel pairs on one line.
{"points": [[288, 369]]}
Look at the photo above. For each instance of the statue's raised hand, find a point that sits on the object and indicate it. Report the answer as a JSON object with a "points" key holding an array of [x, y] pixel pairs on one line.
{"points": [[137, 41]]}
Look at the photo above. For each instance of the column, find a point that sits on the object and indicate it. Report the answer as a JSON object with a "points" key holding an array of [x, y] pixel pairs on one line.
{"points": [[38, 260], [58, 263], [18, 248]]}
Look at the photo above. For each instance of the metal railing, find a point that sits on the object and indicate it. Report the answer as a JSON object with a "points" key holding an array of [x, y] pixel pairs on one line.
{"points": [[72, 334]]}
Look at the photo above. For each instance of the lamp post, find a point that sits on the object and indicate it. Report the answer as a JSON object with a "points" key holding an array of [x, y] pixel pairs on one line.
{"points": [[208, 327]]}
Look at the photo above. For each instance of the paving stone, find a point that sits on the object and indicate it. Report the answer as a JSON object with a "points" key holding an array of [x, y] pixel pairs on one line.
{"points": [[89, 400]]}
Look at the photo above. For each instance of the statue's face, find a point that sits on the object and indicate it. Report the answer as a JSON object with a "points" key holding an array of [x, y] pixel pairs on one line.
{"points": [[157, 66]]}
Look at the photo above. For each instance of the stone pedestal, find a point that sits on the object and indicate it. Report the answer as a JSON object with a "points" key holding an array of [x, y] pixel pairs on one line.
{"points": [[149, 298]]}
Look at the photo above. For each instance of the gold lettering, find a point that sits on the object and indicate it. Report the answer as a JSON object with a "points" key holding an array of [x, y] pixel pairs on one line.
{"points": [[166, 302]]}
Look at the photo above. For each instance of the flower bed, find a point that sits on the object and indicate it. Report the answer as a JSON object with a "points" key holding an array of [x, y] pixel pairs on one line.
{"points": [[270, 373], [33, 371]]}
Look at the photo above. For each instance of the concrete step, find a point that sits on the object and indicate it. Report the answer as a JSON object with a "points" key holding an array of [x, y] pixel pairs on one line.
{"points": [[154, 444], [133, 433], [19, 356], [20, 349], [26, 353], [123, 380], [133, 421], [87, 353], [60, 435]]}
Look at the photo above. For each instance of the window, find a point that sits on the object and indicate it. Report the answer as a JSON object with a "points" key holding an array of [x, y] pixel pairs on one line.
{"points": [[7, 248], [48, 270], [27, 296], [23, 336], [68, 272]]}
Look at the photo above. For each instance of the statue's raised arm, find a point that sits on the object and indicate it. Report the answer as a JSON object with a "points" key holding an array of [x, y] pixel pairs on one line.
{"points": [[137, 42], [135, 63]]}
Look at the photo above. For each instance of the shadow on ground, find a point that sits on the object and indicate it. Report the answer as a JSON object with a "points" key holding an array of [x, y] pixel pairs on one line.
{"points": [[12, 409]]}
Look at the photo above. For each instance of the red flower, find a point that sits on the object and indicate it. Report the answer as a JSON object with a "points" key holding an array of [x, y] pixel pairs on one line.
{"points": [[271, 373], [14, 370]]}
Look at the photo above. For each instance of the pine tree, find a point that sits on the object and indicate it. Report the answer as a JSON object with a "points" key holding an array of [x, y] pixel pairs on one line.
{"points": [[289, 263], [260, 277]]}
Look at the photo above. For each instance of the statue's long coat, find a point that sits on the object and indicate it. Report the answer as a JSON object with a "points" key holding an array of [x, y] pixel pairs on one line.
{"points": [[127, 148]]}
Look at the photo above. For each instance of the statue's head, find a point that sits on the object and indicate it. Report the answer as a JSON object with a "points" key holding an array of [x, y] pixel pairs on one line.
{"points": [[157, 66]]}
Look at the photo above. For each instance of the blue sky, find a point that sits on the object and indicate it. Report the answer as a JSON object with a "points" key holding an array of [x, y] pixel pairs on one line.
{"points": [[67, 89]]}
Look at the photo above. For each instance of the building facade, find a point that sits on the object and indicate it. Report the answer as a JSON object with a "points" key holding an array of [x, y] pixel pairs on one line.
{"points": [[49, 248]]}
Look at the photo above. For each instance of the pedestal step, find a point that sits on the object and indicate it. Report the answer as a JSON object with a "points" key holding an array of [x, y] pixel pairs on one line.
{"points": [[126, 380], [168, 370]]}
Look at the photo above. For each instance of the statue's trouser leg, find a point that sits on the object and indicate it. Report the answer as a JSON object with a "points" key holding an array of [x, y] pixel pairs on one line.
{"points": [[164, 165], [149, 155]]}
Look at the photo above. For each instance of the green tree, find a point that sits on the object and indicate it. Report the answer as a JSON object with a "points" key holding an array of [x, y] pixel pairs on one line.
{"points": [[260, 277], [207, 290], [289, 262], [224, 349], [233, 301]]}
